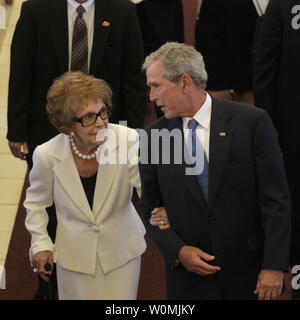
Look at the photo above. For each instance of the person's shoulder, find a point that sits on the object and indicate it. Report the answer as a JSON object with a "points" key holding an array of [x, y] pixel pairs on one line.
{"points": [[121, 4], [50, 145], [281, 6], [51, 148], [242, 114], [38, 8], [118, 128], [122, 130], [160, 123], [283, 3], [37, 3], [237, 108]]}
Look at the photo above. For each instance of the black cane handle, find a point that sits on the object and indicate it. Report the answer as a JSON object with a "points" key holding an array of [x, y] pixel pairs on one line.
{"points": [[48, 267]]}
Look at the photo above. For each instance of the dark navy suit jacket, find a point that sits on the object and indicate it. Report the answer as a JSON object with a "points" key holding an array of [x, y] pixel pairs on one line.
{"points": [[246, 222]]}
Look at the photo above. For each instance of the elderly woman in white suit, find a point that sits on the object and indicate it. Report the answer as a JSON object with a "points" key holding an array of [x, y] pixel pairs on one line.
{"points": [[88, 171]]}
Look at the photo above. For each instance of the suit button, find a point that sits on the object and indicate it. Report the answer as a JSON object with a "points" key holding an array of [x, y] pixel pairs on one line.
{"points": [[94, 228]]}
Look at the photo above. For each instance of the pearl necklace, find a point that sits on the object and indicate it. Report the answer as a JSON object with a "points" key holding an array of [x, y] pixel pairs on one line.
{"points": [[78, 153]]}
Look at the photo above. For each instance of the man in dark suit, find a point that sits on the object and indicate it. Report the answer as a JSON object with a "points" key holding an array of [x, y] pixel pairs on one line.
{"points": [[276, 89], [41, 52], [230, 220], [224, 35], [160, 21]]}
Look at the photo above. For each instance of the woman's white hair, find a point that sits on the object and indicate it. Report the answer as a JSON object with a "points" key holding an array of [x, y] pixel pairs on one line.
{"points": [[178, 59]]}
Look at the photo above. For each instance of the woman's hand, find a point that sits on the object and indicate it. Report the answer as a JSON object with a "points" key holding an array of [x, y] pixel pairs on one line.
{"points": [[39, 260], [159, 218]]}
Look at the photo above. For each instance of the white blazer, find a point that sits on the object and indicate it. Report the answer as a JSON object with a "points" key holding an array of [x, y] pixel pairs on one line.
{"points": [[111, 231]]}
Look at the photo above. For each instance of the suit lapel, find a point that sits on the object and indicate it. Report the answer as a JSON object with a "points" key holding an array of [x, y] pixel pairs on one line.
{"points": [[105, 178], [60, 32], [106, 172], [220, 139], [102, 26], [68, 176], [190, 180], [194, 188]]}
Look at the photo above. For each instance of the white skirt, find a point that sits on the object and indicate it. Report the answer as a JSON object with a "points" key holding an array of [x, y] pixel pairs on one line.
{"points": [[119, 284]]}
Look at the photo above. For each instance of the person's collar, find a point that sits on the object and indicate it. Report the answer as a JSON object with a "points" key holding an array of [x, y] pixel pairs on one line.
{"points": [[136, 1], [87, 5], [202, 115]]}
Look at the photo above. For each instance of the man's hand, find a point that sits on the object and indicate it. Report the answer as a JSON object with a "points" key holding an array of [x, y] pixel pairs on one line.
{"points": [[19, 149], [159, 218], [193, 258], [269, 284]]}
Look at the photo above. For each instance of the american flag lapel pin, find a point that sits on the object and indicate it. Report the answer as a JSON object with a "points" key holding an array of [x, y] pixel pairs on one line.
{"points": [[222, 134], [105, 24]]}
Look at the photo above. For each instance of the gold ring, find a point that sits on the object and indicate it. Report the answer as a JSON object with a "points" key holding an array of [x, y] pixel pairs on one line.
{"points": [[161, 223]]}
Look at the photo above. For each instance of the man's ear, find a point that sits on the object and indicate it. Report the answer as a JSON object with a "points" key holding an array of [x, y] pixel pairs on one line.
{"points": [[186, 79]]}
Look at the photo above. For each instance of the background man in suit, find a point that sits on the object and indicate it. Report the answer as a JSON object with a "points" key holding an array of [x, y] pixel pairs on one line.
{"points": [[230, 225], [160, 21], [276, 89], [224, 35], [41, 51]]}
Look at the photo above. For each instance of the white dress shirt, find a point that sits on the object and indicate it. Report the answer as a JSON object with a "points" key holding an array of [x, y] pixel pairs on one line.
{"points": [[260, 6], [203, 116], [199, 4], [88, 17]]}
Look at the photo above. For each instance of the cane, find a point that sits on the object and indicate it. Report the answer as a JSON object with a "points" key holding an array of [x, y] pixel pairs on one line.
{"points": [[47, 290]]}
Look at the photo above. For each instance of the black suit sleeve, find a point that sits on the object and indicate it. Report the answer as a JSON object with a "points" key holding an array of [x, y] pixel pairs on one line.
{"points": [[133, 80], [21, 76], [268, 61], [167, 241], [273, 196]]}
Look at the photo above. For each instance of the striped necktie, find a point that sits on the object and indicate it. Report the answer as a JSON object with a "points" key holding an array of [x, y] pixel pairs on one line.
{"points": [[79, 60]]}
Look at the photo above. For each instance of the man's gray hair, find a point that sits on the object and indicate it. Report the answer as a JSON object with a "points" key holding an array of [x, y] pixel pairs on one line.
{"points": [[178, 59]]}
